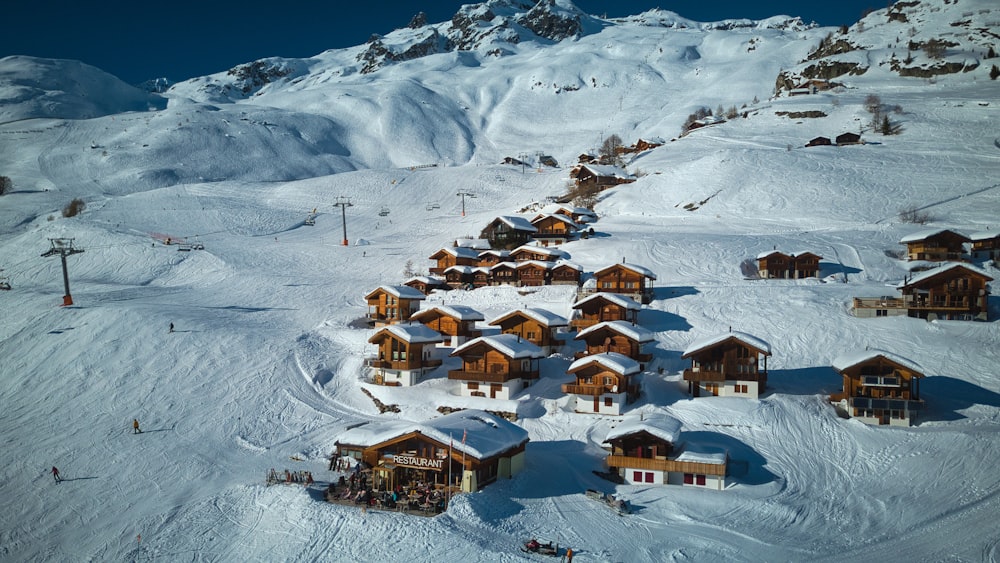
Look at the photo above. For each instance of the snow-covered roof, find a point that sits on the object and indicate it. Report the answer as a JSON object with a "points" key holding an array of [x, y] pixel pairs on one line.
{"points": [[567, 264], [459, 312], [512, 265], [698, 453], [509, 345], [543, 264], [925, 234], [484, 434], [637, 269], [763, 255], [499, 253], [621, 300], [459, 252], [517, 223], [618, 363], [539, 250], [555, 208], [476, 243], [557, 216], [398, 291], [984, 235], [607, 170], [847, 361], [925, 275], [625, 328], [541, 316], [660, 425], [429, 280], [411, 333], [743, 337]]}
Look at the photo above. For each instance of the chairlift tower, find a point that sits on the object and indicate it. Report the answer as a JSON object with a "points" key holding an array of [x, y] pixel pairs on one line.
{"points": [[343, 203], [464, 195], [63, 247]]}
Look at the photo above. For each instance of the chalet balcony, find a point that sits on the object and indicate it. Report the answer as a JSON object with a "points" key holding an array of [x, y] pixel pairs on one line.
{"points": [[588, 390], [489, 377], [889, 403], [880, 303], [401, 365], [704, 375], [666, 465]]}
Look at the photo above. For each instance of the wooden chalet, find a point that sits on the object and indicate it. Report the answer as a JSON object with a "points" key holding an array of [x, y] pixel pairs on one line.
{"points": [[554, 229], [819, 142], [390, 304], [504, 273], [604, 383], [985, 246], [879, 387], [454, 256], [566, 273], [647, 450], [456, 322], [405, 354], [490, 258], [601, 307], [797, 265], [952, 292], [626, 279], [621, 337], [462, 451], [601, 176], [848, 139], [527, 252], [533, 273], [578, 215], [729, 364], [497, 367], [537, 326], [427, 284], [467, 277], [650, 143], [937, 245], [508, 232]]}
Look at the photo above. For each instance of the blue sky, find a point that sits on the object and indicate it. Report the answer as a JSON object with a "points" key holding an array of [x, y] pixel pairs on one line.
{"points": [[137, 41]]}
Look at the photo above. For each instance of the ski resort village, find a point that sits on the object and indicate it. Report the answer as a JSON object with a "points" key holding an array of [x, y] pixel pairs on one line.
{"points": [[528, 284]]}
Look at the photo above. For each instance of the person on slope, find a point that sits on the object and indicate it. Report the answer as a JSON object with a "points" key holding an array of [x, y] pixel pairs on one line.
{"points": [[55, 474], [135, 426]]}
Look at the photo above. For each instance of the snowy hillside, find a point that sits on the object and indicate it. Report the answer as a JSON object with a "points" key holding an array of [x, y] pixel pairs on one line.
{"points": [[265, 366]]}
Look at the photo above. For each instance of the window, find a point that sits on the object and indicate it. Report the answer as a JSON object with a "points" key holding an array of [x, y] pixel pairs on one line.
{"points": [[700, 480], [473, 386], [649, 477], [637, 477], [608, 380], [689, 478], [607, 401], [607, 285], [532, 336], [742, 388], [881, 312]]}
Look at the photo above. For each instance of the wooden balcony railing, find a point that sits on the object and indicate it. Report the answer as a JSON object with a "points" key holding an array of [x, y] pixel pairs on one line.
{"points": [[488, 377], [666, 465], [402, 365], [703, 375]]}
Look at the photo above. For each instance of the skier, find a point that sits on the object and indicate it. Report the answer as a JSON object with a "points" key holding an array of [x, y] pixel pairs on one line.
{"points": [[135, 426], [171, 327], [55, 474]]}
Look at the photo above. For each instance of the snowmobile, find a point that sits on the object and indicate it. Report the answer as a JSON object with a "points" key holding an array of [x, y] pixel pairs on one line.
{"points": [[537, 546], [620, 506]]}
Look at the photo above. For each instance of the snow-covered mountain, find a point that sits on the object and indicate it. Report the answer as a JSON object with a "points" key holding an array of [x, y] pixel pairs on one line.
{"points": [[265, 367]]}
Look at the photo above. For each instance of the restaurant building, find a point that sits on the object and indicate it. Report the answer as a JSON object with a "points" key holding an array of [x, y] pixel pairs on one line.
{"points": [[467, 449]]}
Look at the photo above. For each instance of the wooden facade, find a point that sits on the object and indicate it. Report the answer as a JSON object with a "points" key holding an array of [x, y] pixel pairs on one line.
{"points": [[390, 304], [457, 322], [508, 232], [604, 383], [537, 326], [620, 337], [730, 364], [848, 139], [601, 307], [405, 354], [879, 388], [953, 292], [497, 367], [453, 256], [626, 279], [648, 451], [434, 454], [490, 258], [566, 273], [935, 246], [528, 252], [600, 176], [819, 142], [534, 273], [554, 229], [778, 265], [985, 246], [427, 284]]}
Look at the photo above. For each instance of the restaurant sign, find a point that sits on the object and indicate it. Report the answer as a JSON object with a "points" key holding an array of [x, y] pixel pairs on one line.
{"points": [[417, 462]]}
